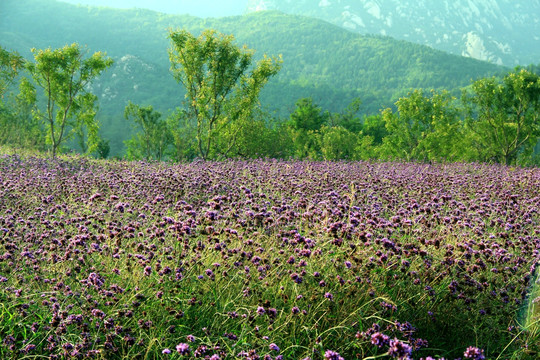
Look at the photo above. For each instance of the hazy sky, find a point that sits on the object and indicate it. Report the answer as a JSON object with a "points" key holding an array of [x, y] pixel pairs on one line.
{"points": [[201, 8]]}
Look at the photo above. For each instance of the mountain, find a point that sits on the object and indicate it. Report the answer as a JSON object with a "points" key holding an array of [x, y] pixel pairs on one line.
{"points": [[202, 8], [499, 31], [320, 60]]}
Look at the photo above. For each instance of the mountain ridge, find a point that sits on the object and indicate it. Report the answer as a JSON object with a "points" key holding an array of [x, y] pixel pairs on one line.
{"points": [[462, 27], [328, 63]]}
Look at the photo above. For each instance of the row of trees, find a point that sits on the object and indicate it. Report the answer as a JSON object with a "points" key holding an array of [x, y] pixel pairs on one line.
{"points": [[495, 119]]}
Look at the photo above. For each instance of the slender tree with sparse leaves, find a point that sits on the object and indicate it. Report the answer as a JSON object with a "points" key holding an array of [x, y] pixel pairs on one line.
{"points": [[65, 74], [222, 85], [152, 140]]}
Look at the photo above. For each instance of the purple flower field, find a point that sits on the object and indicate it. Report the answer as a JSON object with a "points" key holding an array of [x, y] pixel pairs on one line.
{"points": [[267, 260]]}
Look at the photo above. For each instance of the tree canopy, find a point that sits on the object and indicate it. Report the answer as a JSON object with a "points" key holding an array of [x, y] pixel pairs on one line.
{"points": [[222, 86], [64, 75]]}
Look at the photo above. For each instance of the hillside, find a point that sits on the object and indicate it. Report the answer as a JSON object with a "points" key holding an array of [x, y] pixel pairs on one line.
{"points": [[202, 8], [499, 31], [321, 60]]}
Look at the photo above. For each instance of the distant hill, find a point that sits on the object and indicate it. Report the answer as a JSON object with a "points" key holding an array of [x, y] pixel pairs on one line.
{"points": [[326, 62], [202, 8], [500, 31]]}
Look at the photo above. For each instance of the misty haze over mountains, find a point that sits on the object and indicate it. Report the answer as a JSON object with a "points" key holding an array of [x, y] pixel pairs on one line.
{"points": [[328, 60], [503, 32]]}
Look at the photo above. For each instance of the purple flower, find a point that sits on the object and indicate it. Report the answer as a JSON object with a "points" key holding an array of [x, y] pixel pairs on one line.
{"points": [[182, 348], [329, 296], [332, 355], [379, 339], [98, 313], [399, 349], [474, 353], [147, 270], [260, 310], [166, 351], [273, 347], [28, 348]]}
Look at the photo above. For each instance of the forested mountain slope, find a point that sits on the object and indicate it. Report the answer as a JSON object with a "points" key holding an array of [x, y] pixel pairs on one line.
{"points": [[500, 31], [320, 60]]}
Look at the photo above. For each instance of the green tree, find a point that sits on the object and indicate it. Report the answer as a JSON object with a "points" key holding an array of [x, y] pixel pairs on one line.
{"points": [[65, 76], [374, 126], [337, 143], [349, 118], [504, 115], [18, 126], [222, 86], [305, 124], [103, 149], [261, 136], [10, 65], [183, 131], [153, 139], [423, 128], [308, 116]]}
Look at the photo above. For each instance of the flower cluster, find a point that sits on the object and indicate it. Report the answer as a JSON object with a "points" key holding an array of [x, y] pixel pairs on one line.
{"points": [[263, 259]]}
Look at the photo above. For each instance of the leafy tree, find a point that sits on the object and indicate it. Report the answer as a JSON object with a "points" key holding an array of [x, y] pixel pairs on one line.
{"points": [[18, 127], [374, 126], [103, 149], [65, 76], [365, 148], [349, 118], [337, 143], [182, 130], [305, 123], [10, 65], [261, 136], [423, 128], [504, 115], [308, 116], [153, 140], [222, 87]]}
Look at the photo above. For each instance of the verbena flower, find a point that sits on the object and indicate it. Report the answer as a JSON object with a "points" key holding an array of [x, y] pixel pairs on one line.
{"points": [[182, 349], [474, 353], [332, 355]]}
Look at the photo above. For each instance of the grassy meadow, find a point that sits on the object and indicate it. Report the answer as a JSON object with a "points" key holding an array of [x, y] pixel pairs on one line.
{"points": [[267, 260]]}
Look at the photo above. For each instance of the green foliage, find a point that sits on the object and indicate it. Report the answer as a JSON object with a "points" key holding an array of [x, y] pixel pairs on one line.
{"points": [[307, 116], [10, 65], [331, 65], [220, 116], [64, 75], [183, 133], [337, 143], [423, 128], [152, 141], [260, 137], [221, 90], [18, 127], [504, 116], [349, 118], [304, 125], [103, 149], [374, 127]]}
